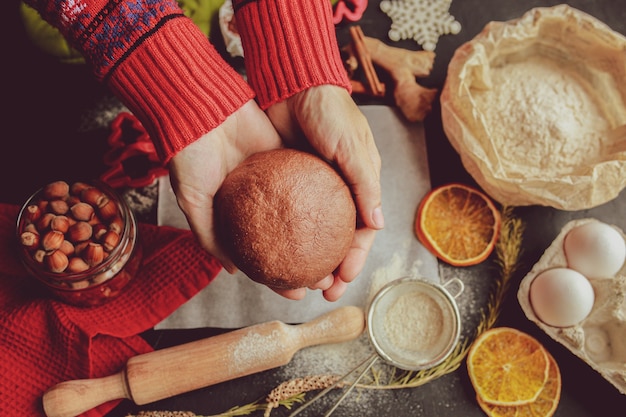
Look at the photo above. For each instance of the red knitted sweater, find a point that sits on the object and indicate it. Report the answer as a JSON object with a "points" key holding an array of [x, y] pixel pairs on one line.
{"points": [[168, 74]]}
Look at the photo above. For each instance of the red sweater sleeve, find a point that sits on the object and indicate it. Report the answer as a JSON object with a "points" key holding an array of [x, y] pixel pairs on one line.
{"points": [[156, 60], [289, 46]]}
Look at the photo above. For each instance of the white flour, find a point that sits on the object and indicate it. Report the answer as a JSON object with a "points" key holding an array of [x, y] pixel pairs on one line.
{"points": [[545, 115], [414, 322], [255, 348], [396, 268]]}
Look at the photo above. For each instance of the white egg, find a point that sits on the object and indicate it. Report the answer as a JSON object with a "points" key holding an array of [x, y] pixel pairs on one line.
{"points": [[595, 249], [561, 297]]}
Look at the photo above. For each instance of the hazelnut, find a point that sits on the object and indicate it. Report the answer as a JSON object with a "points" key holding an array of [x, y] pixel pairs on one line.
{"points": [[32, 213], [93, 254], [95, 220], [80, 247], [73, 199], [94, 196], [116, 225], [39, 256], [77, 264], [52, 241], [67, 248], [43, 205], [108, 210], [79, 232], [44, 221], [56, 261], [29, 240], [99, 230], [77, 188], [82, 211], [58, 206], [56, 190], [110, 240], [30, 228], [60, 223]]}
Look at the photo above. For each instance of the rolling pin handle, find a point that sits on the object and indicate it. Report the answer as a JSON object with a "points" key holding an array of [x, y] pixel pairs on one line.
{"points": [[72, 398]]}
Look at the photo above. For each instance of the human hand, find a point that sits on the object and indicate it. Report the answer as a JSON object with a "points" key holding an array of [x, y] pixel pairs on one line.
{"points": [[197, 171], [330, 122]]}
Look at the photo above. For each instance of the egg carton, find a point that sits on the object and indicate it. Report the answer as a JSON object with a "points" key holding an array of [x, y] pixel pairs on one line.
{"points": [[600, 338]]}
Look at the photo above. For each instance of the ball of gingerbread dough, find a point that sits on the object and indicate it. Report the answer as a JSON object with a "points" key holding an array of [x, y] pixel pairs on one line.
{"points": [[285, 217]]}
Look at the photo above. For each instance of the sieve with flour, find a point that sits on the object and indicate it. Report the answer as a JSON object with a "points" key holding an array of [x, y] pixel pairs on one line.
{"points": [[413, 324]]}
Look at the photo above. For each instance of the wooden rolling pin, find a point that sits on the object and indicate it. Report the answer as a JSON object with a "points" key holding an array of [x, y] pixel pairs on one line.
{"points": [[167, 372]]}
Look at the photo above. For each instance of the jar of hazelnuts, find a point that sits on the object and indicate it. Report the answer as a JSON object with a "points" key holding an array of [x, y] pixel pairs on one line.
{"points": [[80, 240]]}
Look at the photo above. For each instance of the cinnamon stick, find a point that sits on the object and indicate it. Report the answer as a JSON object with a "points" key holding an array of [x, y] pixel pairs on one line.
{"points": [[365, 61]]}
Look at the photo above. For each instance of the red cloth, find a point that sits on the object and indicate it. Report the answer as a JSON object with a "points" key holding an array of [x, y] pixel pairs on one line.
{"points": [[44, 342]]}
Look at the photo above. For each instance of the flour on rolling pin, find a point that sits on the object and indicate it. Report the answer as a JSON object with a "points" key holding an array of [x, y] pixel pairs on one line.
{"points": [[254, 347]]}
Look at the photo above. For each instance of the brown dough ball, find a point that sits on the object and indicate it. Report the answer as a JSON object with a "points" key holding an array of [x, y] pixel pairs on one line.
{"points": [[285, 217]]}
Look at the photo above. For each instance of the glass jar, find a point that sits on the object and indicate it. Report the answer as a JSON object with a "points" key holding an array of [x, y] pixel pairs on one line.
{"points": [[80, 241]]}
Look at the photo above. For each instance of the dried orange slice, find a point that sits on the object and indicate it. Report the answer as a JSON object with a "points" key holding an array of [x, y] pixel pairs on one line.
{"points": [[507, 367], [544, 406], [458, 224]]}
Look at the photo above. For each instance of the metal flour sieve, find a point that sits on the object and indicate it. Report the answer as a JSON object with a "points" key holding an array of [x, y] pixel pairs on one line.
{"points": [[413, 324]]}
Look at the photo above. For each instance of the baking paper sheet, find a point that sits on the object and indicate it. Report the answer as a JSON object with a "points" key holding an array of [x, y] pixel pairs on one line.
{"points": [[234, 301]]}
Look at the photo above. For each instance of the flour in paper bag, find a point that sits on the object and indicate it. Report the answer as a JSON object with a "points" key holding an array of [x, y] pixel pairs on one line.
{"points": [[544, 115]]}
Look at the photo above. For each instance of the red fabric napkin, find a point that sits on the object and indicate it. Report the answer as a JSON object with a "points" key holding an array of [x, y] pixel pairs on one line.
{"points": [[44, 342]]}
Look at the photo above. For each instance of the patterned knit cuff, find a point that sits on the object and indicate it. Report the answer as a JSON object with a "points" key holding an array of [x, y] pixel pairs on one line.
{"points": [[178, 85], [289, 46], [105, 31]]}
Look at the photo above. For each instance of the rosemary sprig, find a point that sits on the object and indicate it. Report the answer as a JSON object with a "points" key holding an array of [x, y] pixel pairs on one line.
{"points": [[508, 252]]}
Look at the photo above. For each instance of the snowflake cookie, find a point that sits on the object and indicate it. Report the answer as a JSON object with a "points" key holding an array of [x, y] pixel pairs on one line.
{"points": [[421, 20]]}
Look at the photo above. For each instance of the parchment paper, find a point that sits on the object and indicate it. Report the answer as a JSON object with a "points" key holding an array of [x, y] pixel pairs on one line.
{"points": [[233, 301]]}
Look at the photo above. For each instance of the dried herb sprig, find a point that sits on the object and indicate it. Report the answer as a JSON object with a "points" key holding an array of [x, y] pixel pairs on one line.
{"points": [[508, 252]]}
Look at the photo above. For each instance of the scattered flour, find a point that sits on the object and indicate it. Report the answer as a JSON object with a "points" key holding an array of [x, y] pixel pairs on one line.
{"points": [[254, 348], [396, 268], [546, 115]]}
